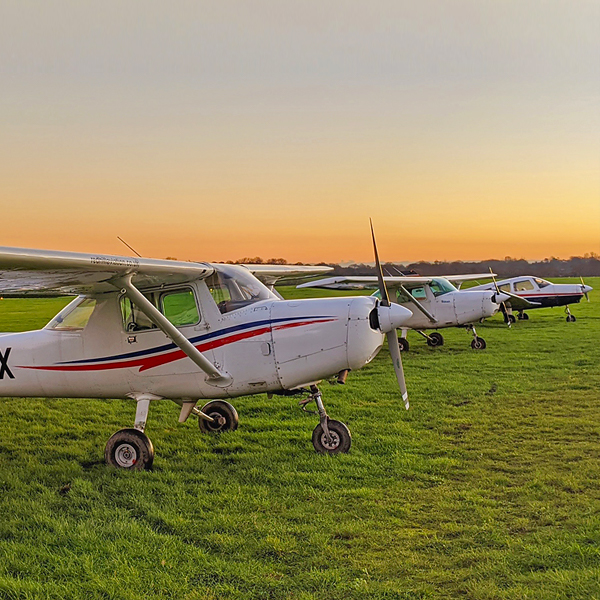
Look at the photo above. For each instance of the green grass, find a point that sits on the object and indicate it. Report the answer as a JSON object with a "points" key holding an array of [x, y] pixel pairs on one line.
{"points": [[488, 488]]}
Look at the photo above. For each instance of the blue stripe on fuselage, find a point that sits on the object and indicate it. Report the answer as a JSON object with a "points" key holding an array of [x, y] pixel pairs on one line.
{"points": [[194, 340]]}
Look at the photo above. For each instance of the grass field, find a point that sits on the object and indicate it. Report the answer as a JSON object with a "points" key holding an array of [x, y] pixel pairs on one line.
{"points": [[488, 488]]}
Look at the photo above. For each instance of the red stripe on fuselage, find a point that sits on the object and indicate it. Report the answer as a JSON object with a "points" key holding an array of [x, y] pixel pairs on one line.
{"points": [[163, 359]]}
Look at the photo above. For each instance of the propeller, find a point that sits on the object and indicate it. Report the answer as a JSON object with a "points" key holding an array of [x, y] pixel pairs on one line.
{"points": [[389, 321], [502, 304], [584, 289]]}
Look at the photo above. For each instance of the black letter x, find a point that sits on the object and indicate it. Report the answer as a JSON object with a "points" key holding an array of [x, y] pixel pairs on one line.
{"points": [[4, 364]]}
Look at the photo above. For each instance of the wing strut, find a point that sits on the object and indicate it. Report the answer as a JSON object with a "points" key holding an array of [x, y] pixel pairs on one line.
{"points": [[215, 377], [418, 305]]}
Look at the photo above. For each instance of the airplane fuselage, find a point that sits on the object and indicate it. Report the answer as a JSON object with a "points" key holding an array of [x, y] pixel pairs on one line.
{"points": [[266, 346]]}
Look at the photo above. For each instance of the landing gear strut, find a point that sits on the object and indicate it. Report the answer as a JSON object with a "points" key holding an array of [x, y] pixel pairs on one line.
{"points": [[570, 318], [131, 448], [329, 436], [478, 343]]}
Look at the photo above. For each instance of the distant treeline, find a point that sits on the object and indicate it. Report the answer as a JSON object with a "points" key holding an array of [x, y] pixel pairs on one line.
{"points": [[587, 265]]}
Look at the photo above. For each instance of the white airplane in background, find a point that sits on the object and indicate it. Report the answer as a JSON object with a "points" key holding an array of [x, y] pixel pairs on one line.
{"points": [[149, 329], [527, 292], [437, 302]]}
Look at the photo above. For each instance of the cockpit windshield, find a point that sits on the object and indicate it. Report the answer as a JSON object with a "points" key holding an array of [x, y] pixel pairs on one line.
{"points": [[234, 287], [542, 282], [441, 286]]}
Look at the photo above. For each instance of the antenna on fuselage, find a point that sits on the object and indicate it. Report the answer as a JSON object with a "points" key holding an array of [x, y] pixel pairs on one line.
{"points": [[132, 249]]}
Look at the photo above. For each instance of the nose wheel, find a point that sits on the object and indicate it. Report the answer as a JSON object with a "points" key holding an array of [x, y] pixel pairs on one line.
{"points": [[478, 343], [329, 436], [570, 317]]}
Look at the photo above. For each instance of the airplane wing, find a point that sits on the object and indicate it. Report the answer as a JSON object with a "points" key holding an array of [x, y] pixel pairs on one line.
{"points": [[361, 282], [469, 277], [518, 302], [29, 272], [271, 274]]}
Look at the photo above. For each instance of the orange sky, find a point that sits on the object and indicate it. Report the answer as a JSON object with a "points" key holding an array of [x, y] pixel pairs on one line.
{"points": [[216, 132]]}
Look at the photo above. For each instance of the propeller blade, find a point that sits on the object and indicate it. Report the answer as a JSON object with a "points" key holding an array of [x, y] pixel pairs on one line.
{"points": [[502, 304], [392, 338], [583, 289], [391, 335], [385, 299]]}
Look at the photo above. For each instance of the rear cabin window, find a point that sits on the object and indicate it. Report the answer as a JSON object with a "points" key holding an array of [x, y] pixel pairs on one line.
{"points": [[179, 306], [75, 316], [505, 287], [523, 286]]}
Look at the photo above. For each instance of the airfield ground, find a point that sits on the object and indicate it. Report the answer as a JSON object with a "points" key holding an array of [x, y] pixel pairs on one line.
{"points": [[488, 488]]}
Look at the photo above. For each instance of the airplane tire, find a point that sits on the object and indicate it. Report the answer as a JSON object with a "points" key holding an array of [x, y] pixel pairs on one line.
{"points": [[403, 344], [571, 319], [511, 319], [225, 414], [129, 449], [435, 339], [341, 440], [478, 344]]}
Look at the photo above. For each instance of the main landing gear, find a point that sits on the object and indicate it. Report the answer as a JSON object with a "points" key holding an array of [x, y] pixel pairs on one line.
{"points": [[131, 448], [570, 318], [329, 436], [478, 343], [522, 316], [433, 339]]}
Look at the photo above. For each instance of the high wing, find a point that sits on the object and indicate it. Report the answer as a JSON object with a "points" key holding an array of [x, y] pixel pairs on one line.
{"points": [[29, 272], [271, 274], [361, 282]]}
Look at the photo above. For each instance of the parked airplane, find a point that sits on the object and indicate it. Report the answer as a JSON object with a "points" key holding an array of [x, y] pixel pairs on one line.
{"points": [[439, 304], [149, 329], [527, 292]]}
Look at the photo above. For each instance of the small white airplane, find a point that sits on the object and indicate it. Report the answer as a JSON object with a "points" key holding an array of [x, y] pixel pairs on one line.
{"points": [[528, 292], [439, 304], [149, 329]]}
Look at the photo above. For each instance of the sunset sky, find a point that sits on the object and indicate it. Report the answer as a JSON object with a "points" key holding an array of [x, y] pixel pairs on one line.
{"points": [[218, 130]]}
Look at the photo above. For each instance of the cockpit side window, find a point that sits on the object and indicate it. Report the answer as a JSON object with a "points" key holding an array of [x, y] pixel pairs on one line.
{"points": [[523, 285], [418, 293], [505, 287], [179, 306], [75, 316], [133, 318], [542, 282]]}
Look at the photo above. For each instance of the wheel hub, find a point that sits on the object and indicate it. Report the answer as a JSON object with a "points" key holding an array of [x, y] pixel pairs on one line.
{"points": [[334, 440], [126, 456]]}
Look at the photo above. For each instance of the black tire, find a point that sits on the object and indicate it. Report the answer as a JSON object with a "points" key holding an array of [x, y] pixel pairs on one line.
{"points": [[341, 440], [571, 319], [525, 317], [478, 344], [129, 449], [511, 319], [435, 339], [226, 417], [403, 344]]}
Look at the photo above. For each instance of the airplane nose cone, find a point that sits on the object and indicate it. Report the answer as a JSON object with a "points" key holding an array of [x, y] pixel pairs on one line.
{"points": [[500, 298], [392, 317], [587, 289]]}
